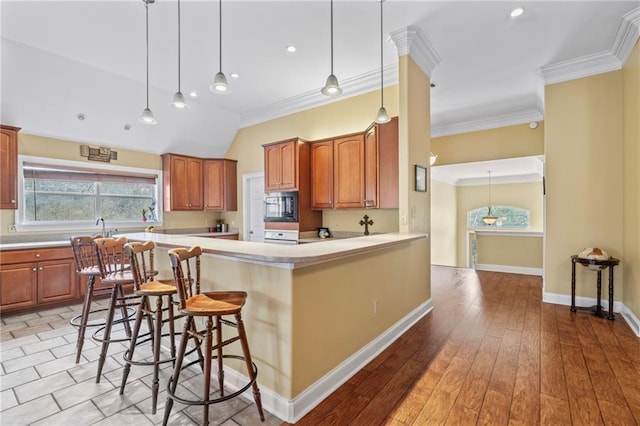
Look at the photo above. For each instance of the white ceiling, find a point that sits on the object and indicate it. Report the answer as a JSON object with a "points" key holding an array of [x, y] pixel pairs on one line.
{"points": [[61, 58]]}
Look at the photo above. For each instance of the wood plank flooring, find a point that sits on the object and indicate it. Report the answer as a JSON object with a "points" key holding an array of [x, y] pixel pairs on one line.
{"points": [[491, 353]]}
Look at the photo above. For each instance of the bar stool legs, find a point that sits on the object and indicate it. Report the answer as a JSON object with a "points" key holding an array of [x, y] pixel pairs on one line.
{"points": [[252, 369]]}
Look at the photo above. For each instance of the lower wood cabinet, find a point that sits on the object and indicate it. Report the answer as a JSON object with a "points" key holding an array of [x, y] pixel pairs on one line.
{"points": [[31, 278]]}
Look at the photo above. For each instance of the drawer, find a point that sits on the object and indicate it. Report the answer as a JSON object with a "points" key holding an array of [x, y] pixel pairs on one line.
{"points": [[35, 255]]}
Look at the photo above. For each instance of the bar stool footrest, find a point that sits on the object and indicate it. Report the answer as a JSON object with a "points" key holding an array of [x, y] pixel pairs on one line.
{"points": [[238, 392]]}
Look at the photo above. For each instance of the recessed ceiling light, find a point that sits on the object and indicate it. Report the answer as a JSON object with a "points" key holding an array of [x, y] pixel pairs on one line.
{"points": [[193, 94], [127, 127], [81, 116], [432, 84], [517, 12], [234, 75], [291, 48]]}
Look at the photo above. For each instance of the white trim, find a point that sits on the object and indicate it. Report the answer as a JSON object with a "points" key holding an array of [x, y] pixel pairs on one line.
{"points": [[627, 35], [494, 122], [292, 411], [412, 41], [509, 233], [510, 269], [584, 66], [630, 318], [498, 180], [619, 307]]}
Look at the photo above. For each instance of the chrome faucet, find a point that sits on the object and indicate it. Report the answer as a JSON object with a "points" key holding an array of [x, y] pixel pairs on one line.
{"points": [[104, 231]]}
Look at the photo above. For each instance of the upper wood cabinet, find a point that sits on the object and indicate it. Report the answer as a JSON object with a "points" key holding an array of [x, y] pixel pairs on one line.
{"points": [[281, 166], [9, 167], [348, 172], [322, 175], [220, 185], [356, 171], [183, 187]]}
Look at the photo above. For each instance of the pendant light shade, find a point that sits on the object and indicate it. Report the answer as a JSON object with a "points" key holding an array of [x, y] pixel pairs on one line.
{"points": [[432, 159], [383, 116], [147, 115], [220, 84], [178, 99], [331, 87], [489, 219]]}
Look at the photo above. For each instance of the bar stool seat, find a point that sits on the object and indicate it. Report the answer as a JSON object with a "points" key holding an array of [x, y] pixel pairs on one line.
{"points": [[214, 306]]}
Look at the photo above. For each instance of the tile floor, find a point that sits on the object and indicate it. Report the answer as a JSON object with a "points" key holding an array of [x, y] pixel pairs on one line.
{"points": [[40, 383]]}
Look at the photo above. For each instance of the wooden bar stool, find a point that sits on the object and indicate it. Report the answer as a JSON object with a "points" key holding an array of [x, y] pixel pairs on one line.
{"points": [[84, 253], [212, 306], [141, 256], [115, 270]]}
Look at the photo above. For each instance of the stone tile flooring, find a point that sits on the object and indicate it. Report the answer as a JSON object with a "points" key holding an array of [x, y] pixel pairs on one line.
{"points": [[40, 383]]}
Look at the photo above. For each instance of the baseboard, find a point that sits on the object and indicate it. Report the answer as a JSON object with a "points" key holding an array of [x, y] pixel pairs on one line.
{"points": [[292, 411], [619, 307], [509, 269]]}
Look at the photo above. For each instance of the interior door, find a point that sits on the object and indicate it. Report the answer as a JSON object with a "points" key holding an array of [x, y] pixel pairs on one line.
{"points": [[254, 207]]}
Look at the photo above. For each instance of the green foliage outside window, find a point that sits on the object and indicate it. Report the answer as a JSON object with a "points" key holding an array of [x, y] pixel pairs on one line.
{"points": [[508, 217]]}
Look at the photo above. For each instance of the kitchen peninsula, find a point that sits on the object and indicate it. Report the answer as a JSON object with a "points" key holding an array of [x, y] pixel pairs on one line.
{"points": [[316, 313]]}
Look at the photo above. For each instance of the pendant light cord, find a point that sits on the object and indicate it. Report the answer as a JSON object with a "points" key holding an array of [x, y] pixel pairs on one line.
{"points": [[220, 9], [146, 6], [381, 58], [332, 37], [179, 90]]}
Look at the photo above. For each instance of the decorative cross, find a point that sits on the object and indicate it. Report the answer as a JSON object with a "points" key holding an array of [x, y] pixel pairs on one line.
{"points": [[366, 222]]}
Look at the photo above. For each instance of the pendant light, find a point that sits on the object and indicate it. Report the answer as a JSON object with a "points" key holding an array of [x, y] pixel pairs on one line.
{"points": [[383, 115], [489, 219], [178, 99], [432, 159], [220, 84], [331, 87], [147, 115]]}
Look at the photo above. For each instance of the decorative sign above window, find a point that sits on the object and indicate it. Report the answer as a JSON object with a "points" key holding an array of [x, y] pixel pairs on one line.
{"points": [[102, 153]]}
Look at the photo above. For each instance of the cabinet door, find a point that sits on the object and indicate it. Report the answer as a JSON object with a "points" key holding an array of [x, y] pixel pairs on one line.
{"points": [[388, 175], [185, 183], [56, 280], [18, 285], [288, 166], [8, 168], [272, 168], [194, 184], [322, 175], [220, 185], [348, 172], [371, 168]]}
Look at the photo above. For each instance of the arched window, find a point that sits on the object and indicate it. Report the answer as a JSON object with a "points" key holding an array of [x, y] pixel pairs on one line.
{"points": [[508, 217]]}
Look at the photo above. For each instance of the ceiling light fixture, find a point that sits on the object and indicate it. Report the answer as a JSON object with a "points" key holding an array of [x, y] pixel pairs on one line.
{"points": [[147, 115], [193, 94], [432, 159], [331, 87], [489, 219], [234, 75], [517, 12], [290, 48], [178, 99], [220, 84], [383, 115]]}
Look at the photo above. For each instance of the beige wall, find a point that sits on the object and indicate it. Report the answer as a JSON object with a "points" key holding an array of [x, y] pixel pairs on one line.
{"points": [[346, 116], [444, 232], [525, 195], [503, 142], [40, 146], [510, 250], [631, 213], [584, 178]]}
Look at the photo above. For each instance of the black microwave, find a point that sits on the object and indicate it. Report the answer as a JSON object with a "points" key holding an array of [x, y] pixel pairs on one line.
{"points": [[281, 207]]}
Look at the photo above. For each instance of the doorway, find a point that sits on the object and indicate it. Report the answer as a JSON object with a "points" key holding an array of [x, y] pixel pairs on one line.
{"points": [[253, 207]]}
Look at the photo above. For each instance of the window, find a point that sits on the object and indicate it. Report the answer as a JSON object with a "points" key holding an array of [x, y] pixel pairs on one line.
{"points": [[508, 217], [63, 195]]}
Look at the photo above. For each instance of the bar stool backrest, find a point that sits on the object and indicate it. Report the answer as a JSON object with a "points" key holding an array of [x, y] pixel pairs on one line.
{"points": [[84, 252], [185, 264], [111, 256], [142, 265]]}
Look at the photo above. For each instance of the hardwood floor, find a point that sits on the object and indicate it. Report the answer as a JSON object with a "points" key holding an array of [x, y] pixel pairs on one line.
{"points": [[491, 353]]}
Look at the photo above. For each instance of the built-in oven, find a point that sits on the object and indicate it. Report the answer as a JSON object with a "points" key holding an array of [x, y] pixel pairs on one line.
{"points": [[281, 237], [281, 207]]}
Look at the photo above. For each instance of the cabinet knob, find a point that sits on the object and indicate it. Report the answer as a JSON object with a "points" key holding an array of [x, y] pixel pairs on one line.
{"points": [[40, 268], [13, 201], [34, 269], [37, 254]]}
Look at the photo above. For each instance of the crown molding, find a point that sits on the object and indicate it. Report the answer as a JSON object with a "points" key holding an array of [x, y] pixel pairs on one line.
{"points": [[353, 86], [412, 41], [492, 122], [598, 63]]}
